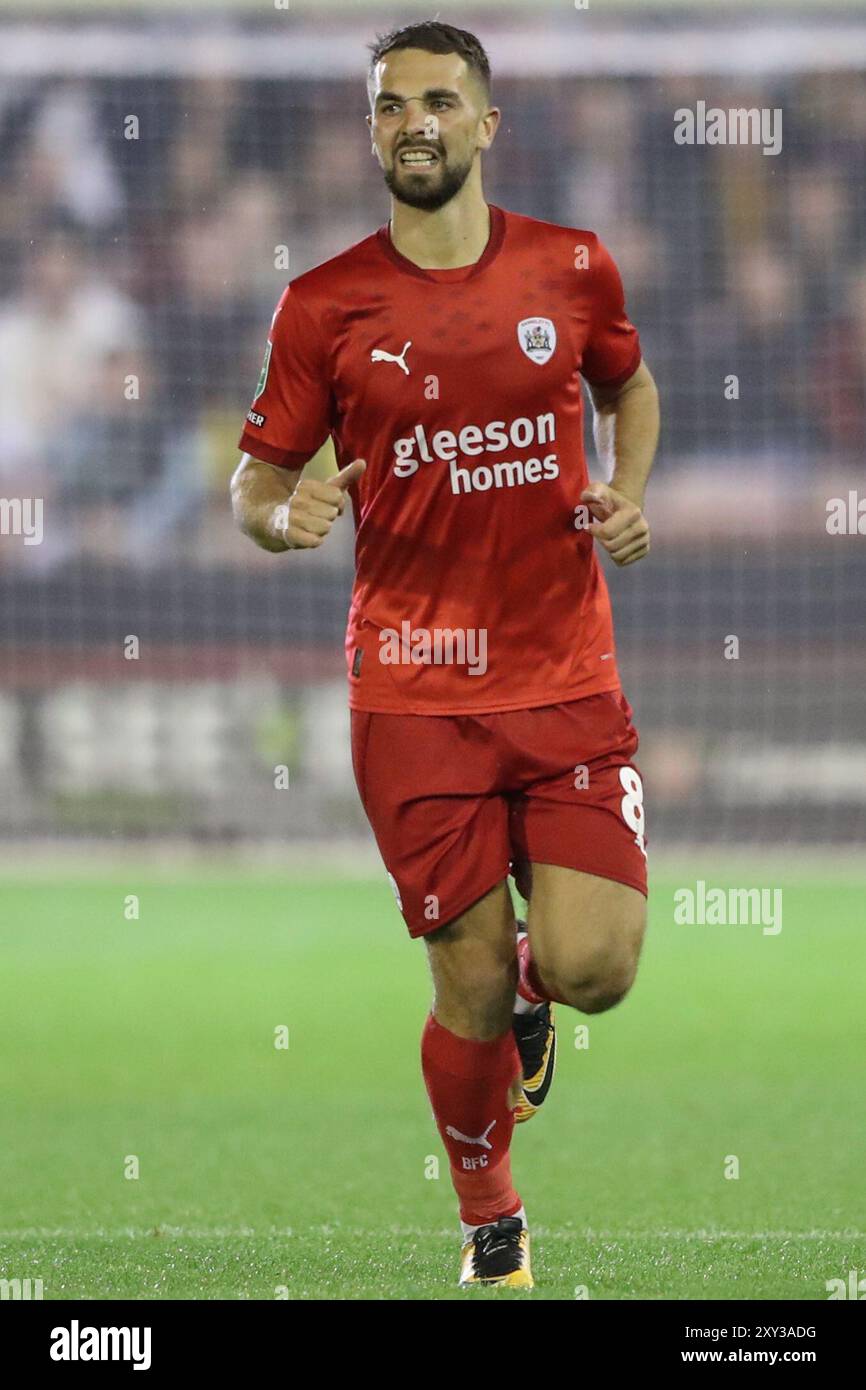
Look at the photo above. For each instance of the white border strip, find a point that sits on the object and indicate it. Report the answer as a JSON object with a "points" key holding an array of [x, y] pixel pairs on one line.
{"points": [[215, 49], [118, 1233]]}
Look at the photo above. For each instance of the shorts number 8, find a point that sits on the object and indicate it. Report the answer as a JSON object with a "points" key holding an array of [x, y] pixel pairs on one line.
{"points": [[631, 805]]}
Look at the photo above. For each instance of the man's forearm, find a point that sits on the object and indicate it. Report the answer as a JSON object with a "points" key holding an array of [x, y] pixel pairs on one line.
{"points": [[257, 491], [626, 432]]}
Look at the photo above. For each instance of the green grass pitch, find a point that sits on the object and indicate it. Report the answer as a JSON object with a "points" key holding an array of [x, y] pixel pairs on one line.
{"points": [[305, 1172]]}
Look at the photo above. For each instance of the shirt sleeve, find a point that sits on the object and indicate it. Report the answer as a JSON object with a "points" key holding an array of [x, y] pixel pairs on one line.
{"points": [[612, 352], [290, 416]]}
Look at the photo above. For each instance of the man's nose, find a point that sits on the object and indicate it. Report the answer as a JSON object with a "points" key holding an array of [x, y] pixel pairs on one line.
{"points": [[415, 117]]}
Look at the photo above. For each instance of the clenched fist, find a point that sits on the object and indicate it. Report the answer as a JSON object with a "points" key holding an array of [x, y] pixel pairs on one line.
{"points": [[620, 525], [305, 520]]}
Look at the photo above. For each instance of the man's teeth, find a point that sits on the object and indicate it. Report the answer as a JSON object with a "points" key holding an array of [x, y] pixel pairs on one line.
{"points": [[417, 157]]}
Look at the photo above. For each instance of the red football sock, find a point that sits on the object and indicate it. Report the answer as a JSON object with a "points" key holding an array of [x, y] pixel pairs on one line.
{"points": [[530, 986], [467, 1082]]}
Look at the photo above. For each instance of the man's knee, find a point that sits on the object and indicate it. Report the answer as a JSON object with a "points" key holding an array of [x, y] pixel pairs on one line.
{"points": [[591, 980], [474, 979]]}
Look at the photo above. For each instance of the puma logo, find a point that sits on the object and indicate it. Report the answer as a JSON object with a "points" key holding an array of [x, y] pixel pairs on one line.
{"points": [[467, 1138], [380, 355]]}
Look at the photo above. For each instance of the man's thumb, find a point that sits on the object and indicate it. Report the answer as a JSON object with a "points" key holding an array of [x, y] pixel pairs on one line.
{"points": [[350, 474], [596, 495]]}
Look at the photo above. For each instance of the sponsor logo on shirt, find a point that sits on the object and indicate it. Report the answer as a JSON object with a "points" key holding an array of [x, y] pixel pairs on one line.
{"points": [[255, 418], [497, 436]]}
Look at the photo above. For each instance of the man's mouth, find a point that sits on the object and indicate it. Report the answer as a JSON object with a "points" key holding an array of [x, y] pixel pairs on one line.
{"points": [[418, 158]]}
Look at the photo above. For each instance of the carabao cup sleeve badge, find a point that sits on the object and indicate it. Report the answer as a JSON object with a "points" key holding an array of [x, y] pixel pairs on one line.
{"points": [[263, 374]]}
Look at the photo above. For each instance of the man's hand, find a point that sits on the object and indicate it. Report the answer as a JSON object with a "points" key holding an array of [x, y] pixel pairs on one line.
{"points": [[620, 525], [305, 520]]}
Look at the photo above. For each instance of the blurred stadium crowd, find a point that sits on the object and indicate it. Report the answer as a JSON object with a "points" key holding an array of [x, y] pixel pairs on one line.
{"points": [[144, 231], [152, 259]]}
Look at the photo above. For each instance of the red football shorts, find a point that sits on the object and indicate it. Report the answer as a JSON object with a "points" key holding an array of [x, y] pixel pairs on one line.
{"points": [[457, 802]]}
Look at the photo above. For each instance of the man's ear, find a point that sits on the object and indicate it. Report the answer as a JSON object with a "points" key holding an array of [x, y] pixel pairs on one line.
{"points": [[491, 120]]}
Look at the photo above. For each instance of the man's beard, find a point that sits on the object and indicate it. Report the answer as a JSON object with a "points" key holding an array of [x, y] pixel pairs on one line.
{"points": [[433, 196]]}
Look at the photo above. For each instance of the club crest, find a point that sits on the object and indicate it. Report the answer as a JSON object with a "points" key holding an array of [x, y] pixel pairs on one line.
{"points": [[537, 338]]}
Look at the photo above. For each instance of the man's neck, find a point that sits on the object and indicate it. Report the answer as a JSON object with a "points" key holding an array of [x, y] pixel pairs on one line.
{"points": [[452, 236]]}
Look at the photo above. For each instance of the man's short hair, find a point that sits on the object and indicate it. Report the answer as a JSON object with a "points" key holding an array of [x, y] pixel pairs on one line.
{"points": [[434, 37]]}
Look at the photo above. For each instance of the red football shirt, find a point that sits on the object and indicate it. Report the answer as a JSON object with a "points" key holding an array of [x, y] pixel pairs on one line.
{"points": [[477, 588]]}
